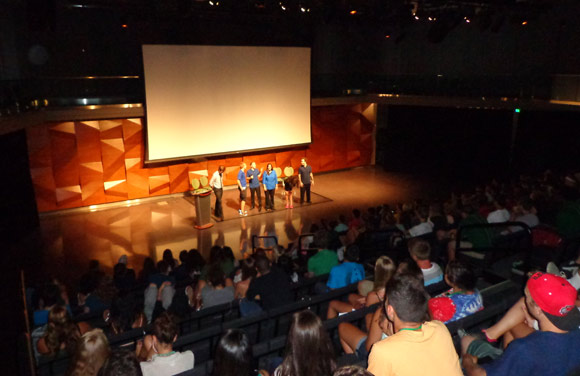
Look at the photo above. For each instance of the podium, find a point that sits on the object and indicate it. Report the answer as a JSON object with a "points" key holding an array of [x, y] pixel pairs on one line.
{"points": [[203, 208]]}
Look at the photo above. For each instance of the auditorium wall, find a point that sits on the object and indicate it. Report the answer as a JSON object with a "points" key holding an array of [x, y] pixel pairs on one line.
{"points": [[83, 163]]}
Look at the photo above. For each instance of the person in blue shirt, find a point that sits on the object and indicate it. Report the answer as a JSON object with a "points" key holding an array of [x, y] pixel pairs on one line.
{"points": [[242, 185], [270, 181], [253, 176], [551, 350], [348, 272]]}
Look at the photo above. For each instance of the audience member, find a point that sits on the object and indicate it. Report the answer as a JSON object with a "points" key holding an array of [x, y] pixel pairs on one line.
{"points": [[352, 370], [423, 226], [122, 362], [420, 251], [60, 333], [233, 356], [325, 259], [350, 271], [91, 353], [271, 287], [500, 214], [157, 349], [551, 350], [308, 348], [244, 277], [406, 307], [461, 300], [218, 290]]}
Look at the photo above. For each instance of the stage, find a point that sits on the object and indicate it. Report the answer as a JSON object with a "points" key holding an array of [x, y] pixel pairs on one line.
{"points": [[145, 228]]}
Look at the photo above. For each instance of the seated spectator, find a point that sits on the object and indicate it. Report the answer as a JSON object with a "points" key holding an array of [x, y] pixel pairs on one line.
{"points": [[341, 227], [147, 270], [384, 270], [350, 271], [218, 290], [462, 300], [182, 272], [123, 278], [271, 287], [157, 349], [161, 289], [122, 362], [244, 276], [60, 333], [420, 251], [423, 226], [525, 212], [169, 259], [50, 294], [162, 275], [91, 353], [355, 341], [308, 348], [233, 356], [125, 314], [551, 350], [500, 214], [416, 347], [325, 259]]}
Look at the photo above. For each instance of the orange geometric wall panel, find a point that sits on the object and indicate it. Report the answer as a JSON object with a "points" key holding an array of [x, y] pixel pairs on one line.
{"points": [[82, 163]]}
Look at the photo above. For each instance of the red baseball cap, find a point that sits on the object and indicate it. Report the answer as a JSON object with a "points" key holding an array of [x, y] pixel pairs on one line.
{"points": [[556, 297]]}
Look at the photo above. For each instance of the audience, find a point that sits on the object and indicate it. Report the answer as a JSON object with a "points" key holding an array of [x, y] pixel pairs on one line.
{"points": [[325, 259], [420, 251], [461, 300], [60, 333], [350, 271], [417, 347], [233, 356], [271, 288], [91, 353], [157, 350], [308, 348], [550, 350], [122, 362]]}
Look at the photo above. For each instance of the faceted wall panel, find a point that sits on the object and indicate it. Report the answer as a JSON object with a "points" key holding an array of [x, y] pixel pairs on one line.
{"points": [[85, 163]]}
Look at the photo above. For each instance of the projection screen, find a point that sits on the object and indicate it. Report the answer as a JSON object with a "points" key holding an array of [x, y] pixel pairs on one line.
{"points": [[212, 100]]}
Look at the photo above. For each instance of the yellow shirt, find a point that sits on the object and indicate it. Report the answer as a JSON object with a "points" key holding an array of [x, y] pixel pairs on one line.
{"points": [[425, 352]]}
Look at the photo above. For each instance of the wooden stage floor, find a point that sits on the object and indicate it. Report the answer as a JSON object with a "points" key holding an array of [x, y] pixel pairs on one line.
{"points": [[69, 239]]}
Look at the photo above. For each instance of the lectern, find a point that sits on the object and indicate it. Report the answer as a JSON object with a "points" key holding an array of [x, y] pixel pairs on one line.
{"points": [[203, 208]]}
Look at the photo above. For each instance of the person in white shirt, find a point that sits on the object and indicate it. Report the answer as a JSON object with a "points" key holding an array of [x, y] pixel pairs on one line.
{"points": [[424, 226], [157, 348], [217, 184], [500, 214]]}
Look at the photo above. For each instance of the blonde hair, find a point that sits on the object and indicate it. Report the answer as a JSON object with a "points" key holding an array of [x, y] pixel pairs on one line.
{"points": [[384, 269], [92, 352]]}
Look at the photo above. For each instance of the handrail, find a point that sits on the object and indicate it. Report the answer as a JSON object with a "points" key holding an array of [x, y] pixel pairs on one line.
{"points": [[31, 360], [254, 237]]}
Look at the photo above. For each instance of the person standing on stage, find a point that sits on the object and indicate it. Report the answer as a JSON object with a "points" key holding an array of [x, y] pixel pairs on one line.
{"points": [[254, 177], [306, 179], [270, 180], [242, 185], [217, 184]]}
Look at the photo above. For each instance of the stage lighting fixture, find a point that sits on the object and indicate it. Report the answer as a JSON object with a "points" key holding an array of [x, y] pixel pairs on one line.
{"points": [[353, 11], [524, 23]]}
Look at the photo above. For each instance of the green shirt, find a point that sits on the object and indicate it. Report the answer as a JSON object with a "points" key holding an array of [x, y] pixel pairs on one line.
{"points": [[322, 262]]}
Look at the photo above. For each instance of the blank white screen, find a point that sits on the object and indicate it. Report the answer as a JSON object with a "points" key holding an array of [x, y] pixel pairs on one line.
{"points": [[208, 100]]}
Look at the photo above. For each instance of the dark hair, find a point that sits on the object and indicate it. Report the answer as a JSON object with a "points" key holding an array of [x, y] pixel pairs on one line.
{"points": [[163, 266], [165, 328], [50, 295], [148, 268], [196, 260], [262, 264], [215, 254], [406, 294], [248, 267], [308, 349], [419, 248], [228, 253], [461, 275], [216, 276], [322, 239], [122, 362], [168, 257], [408, 266], [352, 253], [183, 255], [233, 354], [356, 213], [352, 370]]}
